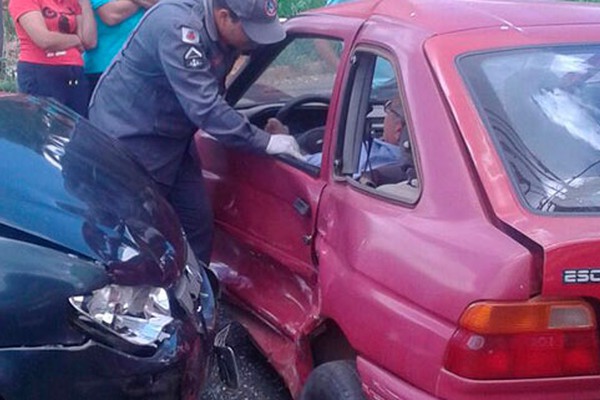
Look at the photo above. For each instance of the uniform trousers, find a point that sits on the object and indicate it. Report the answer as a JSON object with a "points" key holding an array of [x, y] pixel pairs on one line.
{"points": [[191, 203]]}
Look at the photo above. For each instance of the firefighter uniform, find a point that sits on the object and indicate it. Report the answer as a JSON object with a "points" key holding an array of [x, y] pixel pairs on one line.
{"points": [[165, 83]]}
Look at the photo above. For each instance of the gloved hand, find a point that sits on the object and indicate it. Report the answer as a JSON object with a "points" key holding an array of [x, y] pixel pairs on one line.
{"points": [[284, 144]]}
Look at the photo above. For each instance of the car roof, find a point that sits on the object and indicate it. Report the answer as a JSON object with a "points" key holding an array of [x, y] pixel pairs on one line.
{"points": [[439, 17]]}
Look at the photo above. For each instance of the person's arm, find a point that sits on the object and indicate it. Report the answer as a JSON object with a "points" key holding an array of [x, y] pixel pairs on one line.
{"points": [[197, 88], [33, 23], [276, 127], [117, 11], [86, 25], [188, 70], [145, 3]]}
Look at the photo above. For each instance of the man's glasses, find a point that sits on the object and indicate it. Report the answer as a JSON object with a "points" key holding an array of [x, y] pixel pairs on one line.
{"points": [[393, 107]]}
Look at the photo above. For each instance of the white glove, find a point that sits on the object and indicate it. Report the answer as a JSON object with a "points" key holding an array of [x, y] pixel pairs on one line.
{"points": [[284, 144]]}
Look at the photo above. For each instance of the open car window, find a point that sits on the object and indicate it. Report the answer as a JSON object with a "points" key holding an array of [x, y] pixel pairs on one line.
{"points": [[305, 66], [295, 87], [374, 150]]}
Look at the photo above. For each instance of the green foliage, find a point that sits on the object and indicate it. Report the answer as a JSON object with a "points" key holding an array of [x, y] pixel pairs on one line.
{"points": [[8, 84], [289, 8], [8, 59]]}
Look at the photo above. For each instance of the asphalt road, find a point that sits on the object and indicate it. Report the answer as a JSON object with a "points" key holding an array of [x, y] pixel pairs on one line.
{"points": [[258, 381]]}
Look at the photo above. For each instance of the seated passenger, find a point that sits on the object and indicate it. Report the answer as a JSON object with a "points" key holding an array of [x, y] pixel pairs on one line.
{"points": [[380, 151], [388, 148]]}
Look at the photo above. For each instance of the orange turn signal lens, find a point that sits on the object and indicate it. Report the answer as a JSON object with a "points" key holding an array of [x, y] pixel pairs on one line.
{"points": [[533, 316]]}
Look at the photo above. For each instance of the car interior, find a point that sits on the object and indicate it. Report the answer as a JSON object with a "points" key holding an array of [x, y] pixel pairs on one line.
{"points": [[293, 82], [375, 146]]}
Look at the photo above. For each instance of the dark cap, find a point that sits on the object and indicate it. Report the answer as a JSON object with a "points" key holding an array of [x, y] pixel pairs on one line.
{"points": [[259, 20]]}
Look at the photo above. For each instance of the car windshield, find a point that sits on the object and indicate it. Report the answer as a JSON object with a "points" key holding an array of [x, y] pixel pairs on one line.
{"points": [[542, 108]]}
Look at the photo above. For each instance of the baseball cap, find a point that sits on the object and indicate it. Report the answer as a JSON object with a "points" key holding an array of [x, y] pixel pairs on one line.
{"points": [[259, 20]]}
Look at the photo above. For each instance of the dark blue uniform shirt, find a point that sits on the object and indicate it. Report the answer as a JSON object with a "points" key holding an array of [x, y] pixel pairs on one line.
{"points": [[166, 82]]}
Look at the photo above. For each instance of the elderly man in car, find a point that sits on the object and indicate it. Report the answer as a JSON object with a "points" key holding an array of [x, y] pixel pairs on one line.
{"points": [[375, 152]]}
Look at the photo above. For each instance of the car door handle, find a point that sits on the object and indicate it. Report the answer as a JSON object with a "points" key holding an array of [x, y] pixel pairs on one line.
{"points": [[302, 207], [307, 239]]}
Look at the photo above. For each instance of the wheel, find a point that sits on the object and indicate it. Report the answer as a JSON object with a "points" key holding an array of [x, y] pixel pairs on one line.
{"points": [[333, 381]]}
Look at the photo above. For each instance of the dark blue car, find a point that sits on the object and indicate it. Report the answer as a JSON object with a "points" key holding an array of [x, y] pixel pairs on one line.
{"points": [[100, 296]]}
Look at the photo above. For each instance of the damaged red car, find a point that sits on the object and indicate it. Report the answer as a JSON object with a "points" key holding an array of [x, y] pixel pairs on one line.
{"points": [[440, 238]]}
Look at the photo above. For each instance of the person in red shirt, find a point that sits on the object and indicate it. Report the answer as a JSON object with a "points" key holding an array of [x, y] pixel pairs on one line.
{"points": [[53, 34]]}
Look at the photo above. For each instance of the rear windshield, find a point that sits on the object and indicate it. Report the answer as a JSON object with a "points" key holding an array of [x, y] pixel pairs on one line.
{"points": [[542, 108]]}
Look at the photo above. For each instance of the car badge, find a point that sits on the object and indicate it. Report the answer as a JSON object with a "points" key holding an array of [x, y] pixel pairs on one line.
{"points": [[582, 275], [271, 8]]}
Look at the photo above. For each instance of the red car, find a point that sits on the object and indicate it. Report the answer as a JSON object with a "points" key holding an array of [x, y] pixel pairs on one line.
{"points": [[441, 238]]}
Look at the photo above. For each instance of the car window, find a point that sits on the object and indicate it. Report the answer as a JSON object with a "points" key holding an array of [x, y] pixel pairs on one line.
{"points": [[541, 107], [375, 149], [305, 66], [291, 83]]}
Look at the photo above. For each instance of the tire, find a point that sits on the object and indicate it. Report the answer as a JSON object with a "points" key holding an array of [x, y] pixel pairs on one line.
{"points": [[334, 380]]}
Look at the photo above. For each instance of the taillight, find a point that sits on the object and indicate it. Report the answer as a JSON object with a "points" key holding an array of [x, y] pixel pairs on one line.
{"points": [[525, 340]]}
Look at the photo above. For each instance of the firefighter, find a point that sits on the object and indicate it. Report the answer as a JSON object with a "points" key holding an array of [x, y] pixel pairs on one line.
{"points": [[168, 81]]}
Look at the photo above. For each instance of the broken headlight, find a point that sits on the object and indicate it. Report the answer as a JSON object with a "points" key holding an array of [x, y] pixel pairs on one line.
{"points": [[135, 317]]}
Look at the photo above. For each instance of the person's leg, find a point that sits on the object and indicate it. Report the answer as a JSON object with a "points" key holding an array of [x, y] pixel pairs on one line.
{"points": [[78, 91], [27, 78], [43, 80], [190, 201], [92, 82]]}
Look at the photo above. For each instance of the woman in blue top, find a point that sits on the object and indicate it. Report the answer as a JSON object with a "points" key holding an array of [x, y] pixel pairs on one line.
{"points": [[115, 19]]}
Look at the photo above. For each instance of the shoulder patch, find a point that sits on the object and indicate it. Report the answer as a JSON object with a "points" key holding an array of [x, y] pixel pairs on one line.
{"points": [[189, 35], [194, 58]]}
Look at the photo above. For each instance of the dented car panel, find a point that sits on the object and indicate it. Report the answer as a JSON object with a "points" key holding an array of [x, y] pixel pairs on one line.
{"points": [[101, 296], [104, 204], [289, 259]]}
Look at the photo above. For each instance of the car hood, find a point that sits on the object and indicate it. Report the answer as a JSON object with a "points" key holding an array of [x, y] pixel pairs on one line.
{"points": [[67, 185]]}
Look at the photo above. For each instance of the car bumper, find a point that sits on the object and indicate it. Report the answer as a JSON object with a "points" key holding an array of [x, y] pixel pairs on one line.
{"points": [[379, 384], [92, 370]]}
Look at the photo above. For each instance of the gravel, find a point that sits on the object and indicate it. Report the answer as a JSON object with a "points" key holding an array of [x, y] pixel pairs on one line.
{"points": [[258, 380]]}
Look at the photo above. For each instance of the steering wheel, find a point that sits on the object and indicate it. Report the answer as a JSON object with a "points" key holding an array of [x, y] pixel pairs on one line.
{"points": [[310, 141], [285, 111]]}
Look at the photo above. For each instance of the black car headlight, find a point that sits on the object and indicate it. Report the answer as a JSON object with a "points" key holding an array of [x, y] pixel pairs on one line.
{"points": [[132, 316]]}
